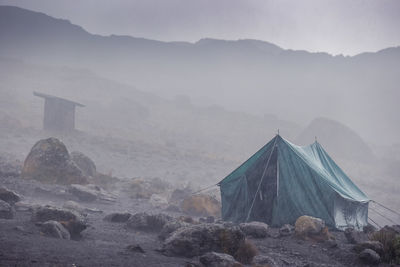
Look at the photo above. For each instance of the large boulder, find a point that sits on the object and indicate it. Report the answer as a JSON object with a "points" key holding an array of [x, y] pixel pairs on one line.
{"points": [[255, 229], [6, 211], [84, 163], [201, 205], [49, 162], [9, 196], [307, 227], [214, 259], [72, 221], [171, 227], [54, 229], [198, 239], [148, 222]]}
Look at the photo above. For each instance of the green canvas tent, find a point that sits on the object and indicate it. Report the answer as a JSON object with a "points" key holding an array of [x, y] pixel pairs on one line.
{"points": [[283, 181]]}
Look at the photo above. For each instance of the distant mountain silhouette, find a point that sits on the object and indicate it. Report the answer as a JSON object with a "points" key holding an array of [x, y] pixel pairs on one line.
{"points": [[246, 75], [338, 139]]}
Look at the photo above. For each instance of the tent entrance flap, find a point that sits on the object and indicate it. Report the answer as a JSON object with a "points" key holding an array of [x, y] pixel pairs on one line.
{"points": [[266, 192]]}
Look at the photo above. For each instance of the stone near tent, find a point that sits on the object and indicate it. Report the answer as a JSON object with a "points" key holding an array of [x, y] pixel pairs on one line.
{"points": [[369, 256], [54, 229], [9, 196], [195, 240], [84, 163], [74, 206], [307, 227], [286, 230], [214, 259], [148, 222], [201, 205], [6, 210], [49, 162], [355, 237], [118, 217], [374, 245], [255, 229]]}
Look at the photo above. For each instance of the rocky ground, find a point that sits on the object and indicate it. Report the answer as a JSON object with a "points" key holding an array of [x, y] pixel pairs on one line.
{"points": [[107, 243]]}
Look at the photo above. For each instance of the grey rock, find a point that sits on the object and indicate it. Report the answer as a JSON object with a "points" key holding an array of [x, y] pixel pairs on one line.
{"points": [[72, 221], [171, 227], [83, 193], [118, 217], [198, 239], [6, 211], [374, 245], [9, 196], [55, 229], [135, 248], [286, 230], [148, 222], [214, 259], [84, 163], [369, 256], [255, 229]]}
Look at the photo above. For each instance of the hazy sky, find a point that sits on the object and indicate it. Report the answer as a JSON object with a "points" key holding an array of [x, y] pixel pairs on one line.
{"points": [[334, 26]]}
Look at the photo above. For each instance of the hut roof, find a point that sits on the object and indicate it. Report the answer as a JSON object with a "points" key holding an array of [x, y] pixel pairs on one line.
{"points": [[46, 96]]}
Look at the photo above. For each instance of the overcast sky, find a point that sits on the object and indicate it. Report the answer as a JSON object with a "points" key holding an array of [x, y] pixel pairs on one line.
{"points": [[335, 26]]}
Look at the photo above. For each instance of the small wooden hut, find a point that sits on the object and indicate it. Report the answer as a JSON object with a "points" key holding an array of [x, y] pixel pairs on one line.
{"points": [[59, 113]]}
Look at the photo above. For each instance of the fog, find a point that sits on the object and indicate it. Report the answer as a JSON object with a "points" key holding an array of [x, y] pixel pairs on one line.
{"points": [[190, 112]]}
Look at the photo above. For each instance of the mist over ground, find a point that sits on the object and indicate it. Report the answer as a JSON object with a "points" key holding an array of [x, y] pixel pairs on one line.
{"points": [[191, 112]]}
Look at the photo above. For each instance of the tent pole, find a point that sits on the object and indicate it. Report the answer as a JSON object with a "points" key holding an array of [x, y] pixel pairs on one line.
{"points": [[262, 178]]}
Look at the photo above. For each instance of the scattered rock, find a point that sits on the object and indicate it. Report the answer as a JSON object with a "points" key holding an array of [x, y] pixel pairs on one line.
{"points": [[6, 211], [355, 237], [214, 259], [69, 219], [263, 260], [374, 245], [331, 243], [145, 188], [171, 227], [135, 248], [198, 239], [307, 227], [49, 162], [84, 163], [148, 222], [208, 219], [9, 196], [246, 252], [172, 208], [74, 206], [286, 230], [158, 201], [201, 205], [54, 229], [369, 256], [118, 217], [255, 229], [83, 193]]}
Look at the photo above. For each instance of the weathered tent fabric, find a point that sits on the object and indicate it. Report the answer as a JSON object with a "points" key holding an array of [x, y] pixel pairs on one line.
{"points": [[297, 181]]}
